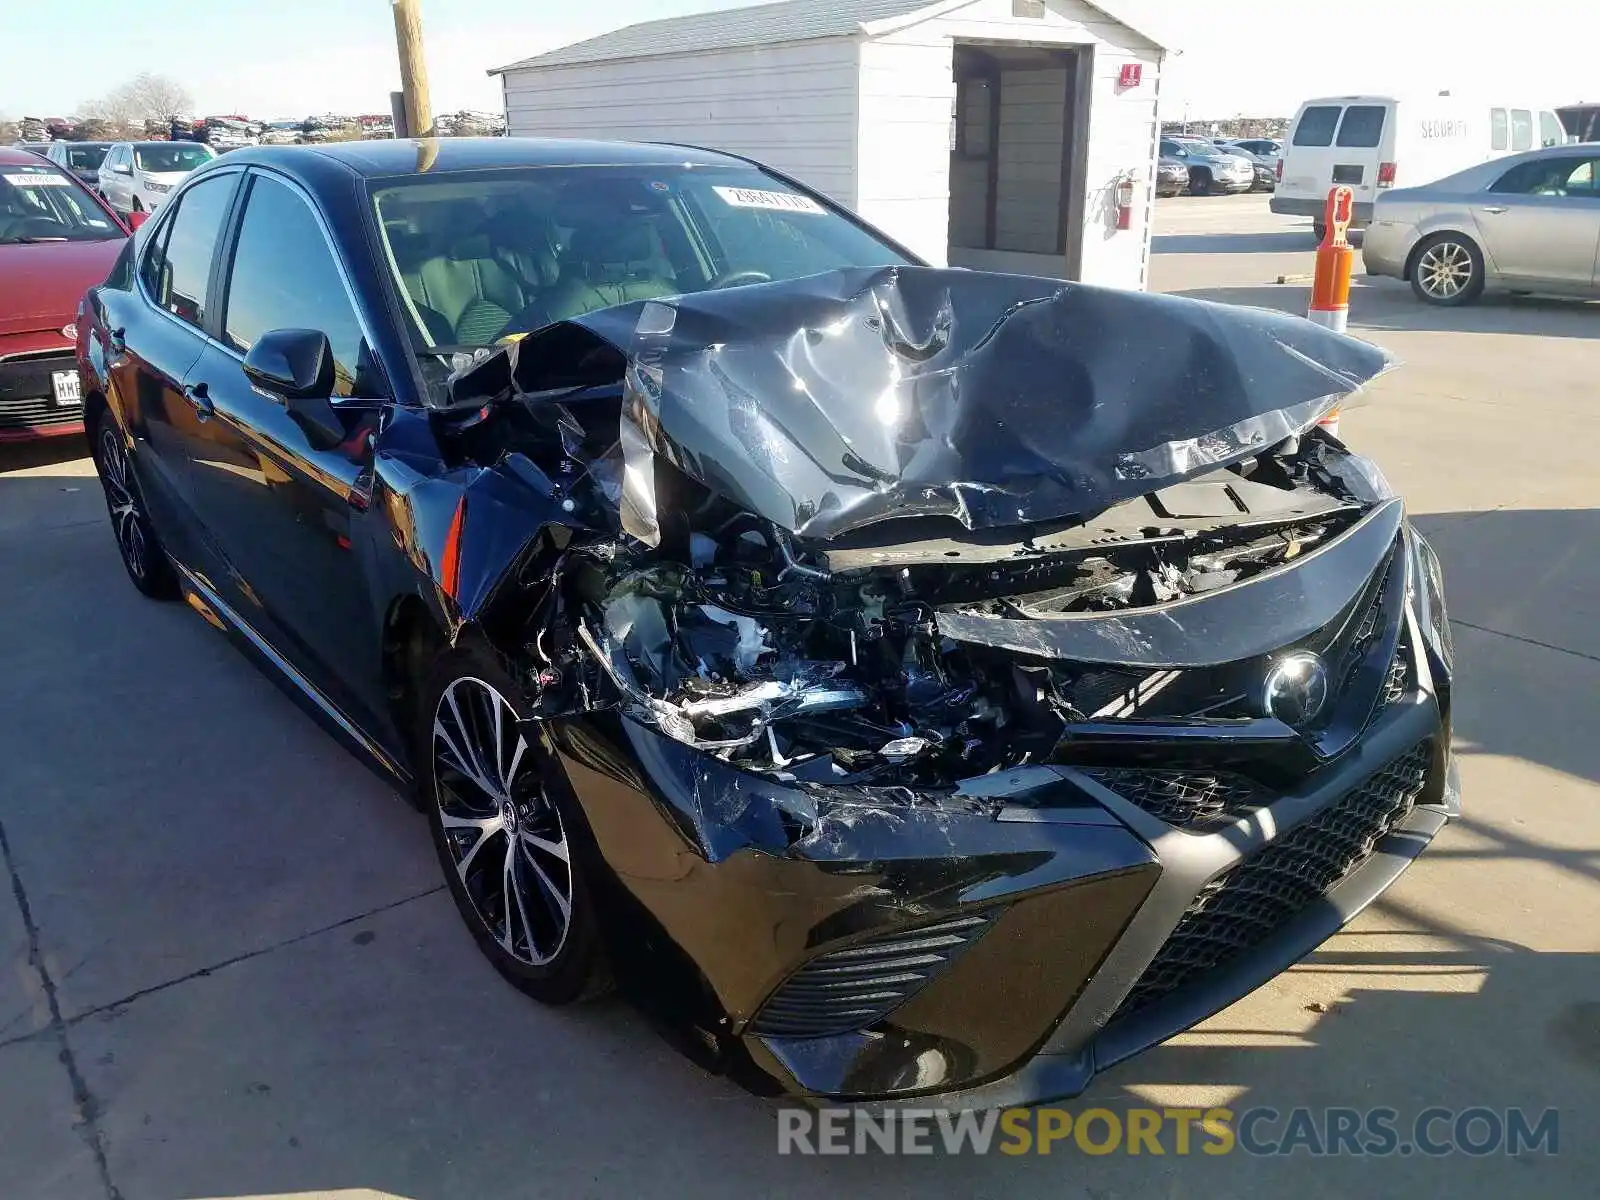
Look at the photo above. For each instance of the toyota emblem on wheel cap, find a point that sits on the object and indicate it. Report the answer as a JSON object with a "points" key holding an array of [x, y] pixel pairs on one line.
{"points": [[1296, 688]]}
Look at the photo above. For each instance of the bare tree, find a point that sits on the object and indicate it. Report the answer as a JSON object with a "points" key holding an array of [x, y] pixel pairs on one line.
{"points": [[145, 97], [155, 97]]}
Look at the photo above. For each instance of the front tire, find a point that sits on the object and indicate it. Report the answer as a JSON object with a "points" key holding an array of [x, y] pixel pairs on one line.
{"points": [[1200, 183], [1447, 270], [140, 549], [512, 846]]}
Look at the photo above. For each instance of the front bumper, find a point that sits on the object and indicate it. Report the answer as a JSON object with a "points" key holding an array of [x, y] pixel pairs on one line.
{"points": [[1000, 945], [28, 407], [1298, 206]]}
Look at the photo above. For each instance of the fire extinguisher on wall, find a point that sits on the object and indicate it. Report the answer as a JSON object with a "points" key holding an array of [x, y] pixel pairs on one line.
{"points": [[1125, 202]]}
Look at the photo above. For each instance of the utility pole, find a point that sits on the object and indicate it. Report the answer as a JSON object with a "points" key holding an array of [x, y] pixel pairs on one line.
{"points": [[413, 69]]}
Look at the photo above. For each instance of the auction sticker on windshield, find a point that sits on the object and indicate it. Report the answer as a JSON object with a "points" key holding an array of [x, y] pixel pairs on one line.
{"points": [[38, 179], [757, 198]]}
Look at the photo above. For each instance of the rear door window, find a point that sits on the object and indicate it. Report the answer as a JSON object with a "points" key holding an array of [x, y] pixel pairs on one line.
{"points": [[182, 275], [1362, 126], [1316, 125], [1499, 129], [1521, 129]]}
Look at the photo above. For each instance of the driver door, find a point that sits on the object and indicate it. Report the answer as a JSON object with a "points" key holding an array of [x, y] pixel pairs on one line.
{"points": [[282, 506]]}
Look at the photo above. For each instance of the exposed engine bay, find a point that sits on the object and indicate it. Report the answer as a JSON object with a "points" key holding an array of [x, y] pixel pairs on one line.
{"points": [[795, 629], [745, 649]]}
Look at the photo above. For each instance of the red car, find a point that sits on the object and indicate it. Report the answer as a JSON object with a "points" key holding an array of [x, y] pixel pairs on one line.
{"points": [[57, 240]]}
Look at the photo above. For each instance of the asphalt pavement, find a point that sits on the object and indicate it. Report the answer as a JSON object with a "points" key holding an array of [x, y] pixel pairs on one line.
{"points": [[228, 969]]}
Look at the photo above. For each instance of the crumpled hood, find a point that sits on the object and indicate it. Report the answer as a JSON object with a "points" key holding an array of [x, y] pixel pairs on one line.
{"points": [[832, 401]]}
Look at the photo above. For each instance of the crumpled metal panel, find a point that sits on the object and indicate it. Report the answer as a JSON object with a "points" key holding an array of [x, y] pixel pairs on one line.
{"points": [[832, 401]]}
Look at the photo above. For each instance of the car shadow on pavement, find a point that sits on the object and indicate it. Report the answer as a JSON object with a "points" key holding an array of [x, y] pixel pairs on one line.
{"points": [[1385, 304]]}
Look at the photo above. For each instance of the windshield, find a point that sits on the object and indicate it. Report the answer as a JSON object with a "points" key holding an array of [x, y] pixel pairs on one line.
{"points": [[479, 256], [162, 159], [86, 158], [43, 204]]}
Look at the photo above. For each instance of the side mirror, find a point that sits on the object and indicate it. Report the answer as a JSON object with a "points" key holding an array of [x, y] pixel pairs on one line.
{"points": [[137, 218], [122, 169], [295, 367]]}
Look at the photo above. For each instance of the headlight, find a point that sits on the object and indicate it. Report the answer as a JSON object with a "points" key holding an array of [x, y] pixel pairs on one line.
{"points": [[1427, 593], [158, 188]]}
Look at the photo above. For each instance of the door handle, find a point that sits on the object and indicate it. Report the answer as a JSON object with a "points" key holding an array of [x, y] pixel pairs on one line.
{"points": [[1494, 208], [199, 395]]}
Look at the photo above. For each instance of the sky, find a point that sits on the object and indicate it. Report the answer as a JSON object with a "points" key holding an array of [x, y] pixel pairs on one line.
{"points": [[293, 58]]}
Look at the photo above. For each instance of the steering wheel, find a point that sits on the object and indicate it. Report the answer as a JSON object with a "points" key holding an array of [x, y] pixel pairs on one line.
{"points": [[736, 278], [37, 227]]}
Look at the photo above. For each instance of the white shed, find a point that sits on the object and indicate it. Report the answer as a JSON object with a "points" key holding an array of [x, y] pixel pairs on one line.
{"points": [[980, 133]]}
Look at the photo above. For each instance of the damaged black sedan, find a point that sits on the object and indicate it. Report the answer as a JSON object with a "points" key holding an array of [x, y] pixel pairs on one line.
{"points": [[902, 682]]}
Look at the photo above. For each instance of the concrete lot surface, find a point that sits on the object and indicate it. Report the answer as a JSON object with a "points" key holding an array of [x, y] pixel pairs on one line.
{"points": [[227, 967]]}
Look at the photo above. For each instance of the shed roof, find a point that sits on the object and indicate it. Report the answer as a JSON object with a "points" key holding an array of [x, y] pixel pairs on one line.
{"points": [[762, 24]]}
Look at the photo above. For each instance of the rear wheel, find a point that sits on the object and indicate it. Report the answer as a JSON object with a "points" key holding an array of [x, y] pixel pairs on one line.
{"points": [[1319, 231], [1447, 270], [511, 845], [142, 556]]}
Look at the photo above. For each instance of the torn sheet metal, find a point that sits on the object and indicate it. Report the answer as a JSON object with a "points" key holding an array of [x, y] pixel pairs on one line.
{"points": [[829, 402], [1274, 609]]}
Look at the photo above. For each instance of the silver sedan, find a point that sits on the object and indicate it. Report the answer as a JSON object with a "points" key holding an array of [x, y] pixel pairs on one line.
{"points": [[1528, 222]]}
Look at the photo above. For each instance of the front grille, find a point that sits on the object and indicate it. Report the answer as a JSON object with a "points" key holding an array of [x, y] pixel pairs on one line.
{"points": [[858, 985], [27, 399], [1242, 907], [1187, 799], [57, 360], [34, 414]]}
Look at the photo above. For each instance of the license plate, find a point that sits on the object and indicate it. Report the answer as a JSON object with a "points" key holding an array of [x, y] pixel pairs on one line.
{"points": [[66, 387]]}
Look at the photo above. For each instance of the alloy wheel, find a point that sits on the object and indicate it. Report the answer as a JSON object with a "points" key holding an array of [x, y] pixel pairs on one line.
{"points": [[127, 521], [505, 836], [1445, 270]]}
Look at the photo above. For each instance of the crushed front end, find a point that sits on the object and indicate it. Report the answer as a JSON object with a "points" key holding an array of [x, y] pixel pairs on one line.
{"points": [[967, 681]]}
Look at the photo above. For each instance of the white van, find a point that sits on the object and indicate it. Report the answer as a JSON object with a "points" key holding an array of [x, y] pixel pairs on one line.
{"points": [[1374, 143]]}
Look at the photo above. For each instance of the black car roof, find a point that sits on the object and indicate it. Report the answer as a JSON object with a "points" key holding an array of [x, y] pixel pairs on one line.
{"points": [[389, 156]]}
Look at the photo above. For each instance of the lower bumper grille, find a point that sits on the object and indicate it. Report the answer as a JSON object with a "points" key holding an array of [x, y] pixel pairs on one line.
{"points": [[27, 398], [1242, 907], [1195, 800], [858, 985]]}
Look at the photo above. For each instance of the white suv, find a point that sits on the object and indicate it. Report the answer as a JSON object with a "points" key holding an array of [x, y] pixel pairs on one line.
{"points": [[138, 176]]}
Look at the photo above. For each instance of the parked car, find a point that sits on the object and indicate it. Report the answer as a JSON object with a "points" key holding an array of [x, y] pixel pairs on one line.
{"points": [[545, 478], [56, 241], [1211, 169], [1266, 169], [83, 159], [138, 176], [1172, 176], [40, 148], [1374, 143], [1269, 148], [1530, 222]]}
